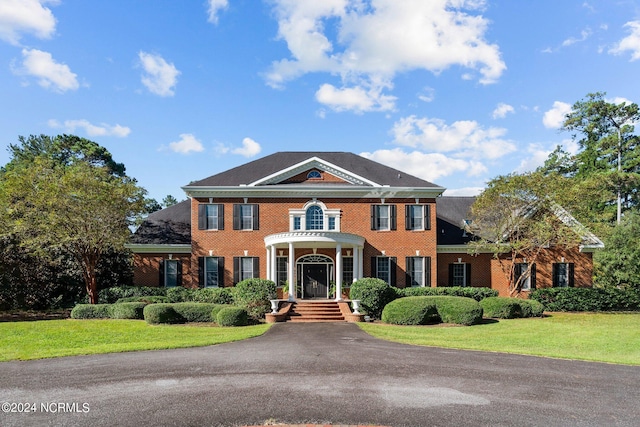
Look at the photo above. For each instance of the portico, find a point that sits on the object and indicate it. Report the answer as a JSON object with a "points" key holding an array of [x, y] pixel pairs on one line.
{"points": [[305, 244]]}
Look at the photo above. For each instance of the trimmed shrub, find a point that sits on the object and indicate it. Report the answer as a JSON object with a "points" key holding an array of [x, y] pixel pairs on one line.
{"points": [[91, 311], [213, 295], [373, 294], [151, 299], [531, 308], [458, 310], [232, 316], [501, 307], [113, 294], [180, 294], [587, 299], [477, 294], [216, 309], [410, 311], [253, 295], [128, 310], [161, 313], [194, 311]]}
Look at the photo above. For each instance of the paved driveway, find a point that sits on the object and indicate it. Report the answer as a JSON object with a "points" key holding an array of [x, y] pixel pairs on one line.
{"points": [[319, 373]]}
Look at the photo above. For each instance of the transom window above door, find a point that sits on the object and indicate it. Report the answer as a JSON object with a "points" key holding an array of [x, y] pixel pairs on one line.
{"points": [[314, 215]]}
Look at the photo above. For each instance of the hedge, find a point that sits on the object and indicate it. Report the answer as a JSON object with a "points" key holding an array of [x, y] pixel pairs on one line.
{"points": [[213, 295], [374, 295], [587, 299], [459, 310], [501, 307], [253, 295], [180, 294], [410, 311], [127, 310], [216, 309], [111, 295], [151, 299], [194, 311], [91, 311], [232, 316], [531, 308], [161, 313], [477, 294]]}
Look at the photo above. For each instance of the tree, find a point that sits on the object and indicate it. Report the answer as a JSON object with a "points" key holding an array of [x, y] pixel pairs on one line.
{"points": [[619, 262], [76, 204], [169, 200], [516, 218], [609, 149]]}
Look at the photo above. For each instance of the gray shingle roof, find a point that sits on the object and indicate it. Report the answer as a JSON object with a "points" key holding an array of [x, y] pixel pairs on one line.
{"points": [[450, 214], [260, 168], [171, 225]]}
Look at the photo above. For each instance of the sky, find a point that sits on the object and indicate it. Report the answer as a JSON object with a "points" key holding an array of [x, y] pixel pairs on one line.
{"points": [[456, 92]]}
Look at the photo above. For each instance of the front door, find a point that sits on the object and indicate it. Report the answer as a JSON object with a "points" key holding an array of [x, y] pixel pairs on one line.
{"points": [[314, 280]]}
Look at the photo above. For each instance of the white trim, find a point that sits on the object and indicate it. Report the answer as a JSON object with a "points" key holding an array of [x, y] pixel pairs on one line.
{"points": [[320, 238], [139, 248]]}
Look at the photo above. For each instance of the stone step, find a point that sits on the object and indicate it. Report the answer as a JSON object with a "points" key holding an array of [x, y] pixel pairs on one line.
{"points": [[316, 311]]}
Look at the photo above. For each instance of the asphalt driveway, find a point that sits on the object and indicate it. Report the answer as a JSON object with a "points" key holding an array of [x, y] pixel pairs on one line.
{"points": [[329, 373]]}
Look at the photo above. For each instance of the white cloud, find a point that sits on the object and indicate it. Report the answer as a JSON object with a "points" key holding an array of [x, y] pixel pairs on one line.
{"points": [[429, 166], [50, 74], [357, 99], [536, 156], [26, 16], [461, 192], [428, 94], [160, 77], [466, 138], [554, 117], [584, 35], [502, 110], [188, 143], [90, 129], [629, 43], [376, 40], [249, 148], [215, 6]]}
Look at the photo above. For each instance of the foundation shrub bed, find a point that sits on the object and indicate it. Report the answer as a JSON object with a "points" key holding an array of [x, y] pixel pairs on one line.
{"points": [[587, 299], [180, 294], [458, 310], [151, 299], [127, 310], [161, 313], [501, 308], [531, 308], [477, 294], [113, 294], [253, 296], [374, 295], [91, 311], [194, 311], [232, 316], [216, 309], [410, 311], [213, 295]]}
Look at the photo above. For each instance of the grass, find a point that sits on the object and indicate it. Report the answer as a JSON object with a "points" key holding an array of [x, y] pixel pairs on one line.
{"points": [[55, 338], [601, 337]]}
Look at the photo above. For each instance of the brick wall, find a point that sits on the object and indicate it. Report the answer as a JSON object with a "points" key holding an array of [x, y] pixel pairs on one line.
{"points": [[146, 269]]}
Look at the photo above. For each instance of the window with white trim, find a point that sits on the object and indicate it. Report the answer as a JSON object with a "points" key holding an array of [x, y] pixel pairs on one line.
{"points": [[563, 274], [529, 282], [245, 217], [417, 217], [418, 271], [383, 217], [460, 274], [347, 270], [210, 216], [212, 272], [314, 218], [282, 268]]}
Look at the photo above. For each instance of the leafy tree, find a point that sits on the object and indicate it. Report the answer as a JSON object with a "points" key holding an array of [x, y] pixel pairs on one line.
{"points": [[516, 217], [619, 262], [169, 200], [75, 202]]}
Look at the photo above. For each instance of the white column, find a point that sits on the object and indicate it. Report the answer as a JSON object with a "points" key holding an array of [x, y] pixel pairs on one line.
{"points": [[338, 272], [360, 265], [356, 263], [269, 277], [291, 273], [274, 265]]}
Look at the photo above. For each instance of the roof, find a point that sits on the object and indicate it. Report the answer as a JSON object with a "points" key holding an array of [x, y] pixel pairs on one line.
{"points": [[259, 169], [171, 225], [451, 213]]}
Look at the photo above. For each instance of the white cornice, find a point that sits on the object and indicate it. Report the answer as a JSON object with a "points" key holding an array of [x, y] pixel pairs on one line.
{"points": [[315, 237], [139, 248]]}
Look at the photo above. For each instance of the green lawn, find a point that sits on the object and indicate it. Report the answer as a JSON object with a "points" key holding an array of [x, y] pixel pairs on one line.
{"points": [[54, 338], [603, 337]]}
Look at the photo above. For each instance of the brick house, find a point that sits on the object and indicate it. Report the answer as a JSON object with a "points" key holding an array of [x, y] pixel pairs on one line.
{"points": [[322, 220]]}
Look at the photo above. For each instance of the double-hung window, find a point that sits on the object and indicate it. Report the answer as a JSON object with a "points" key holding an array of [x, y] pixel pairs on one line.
{"points": [[384, 268], [418, 271], [383, 217], [210, 216], [170, 273], [563, 273], [347, 270], [245, 268], [245, 217], [417, 217], [460, 274], [211, 272], [282, 264], [526, 283]]}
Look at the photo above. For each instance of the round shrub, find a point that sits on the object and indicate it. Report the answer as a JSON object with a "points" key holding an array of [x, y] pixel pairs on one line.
{"points": [[113, 294], [410, 311], [150, 299], [216, 309], [232, 316], [253, 295], [501, 307], [128, 310], [180, 294], [458, 310], [373, 294], [194, 311], [531, 308], [91, 311], [213, 295], [161, 313]]}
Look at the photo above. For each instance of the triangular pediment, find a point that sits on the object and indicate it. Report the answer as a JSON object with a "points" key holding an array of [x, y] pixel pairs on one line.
{"points": [[314, 171]]}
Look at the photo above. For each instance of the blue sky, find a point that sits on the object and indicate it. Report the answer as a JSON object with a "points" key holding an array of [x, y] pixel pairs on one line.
{"points": [[452, 91]]}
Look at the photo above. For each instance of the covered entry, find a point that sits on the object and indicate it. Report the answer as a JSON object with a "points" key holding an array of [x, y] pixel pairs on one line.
{"points": [[315, 273]]}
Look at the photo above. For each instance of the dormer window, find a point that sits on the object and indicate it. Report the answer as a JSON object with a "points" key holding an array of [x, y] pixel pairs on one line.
{"points": [[314, 174]]}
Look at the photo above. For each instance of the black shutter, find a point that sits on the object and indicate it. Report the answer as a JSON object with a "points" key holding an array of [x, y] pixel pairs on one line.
{"points": [[467, 274], [236, 269], [374, 266], [393, 215], [220, 272], [201, 282], [220, 217], [427, 217], [407, 221], [427, 271], [374, 219], [256, 267], [409, 271], [236, 217], [533, 277], [161, 274], [256, 217], [179, 278], [571, 275], [450, 274], [554, 282], [202, 217], [393, 266]]}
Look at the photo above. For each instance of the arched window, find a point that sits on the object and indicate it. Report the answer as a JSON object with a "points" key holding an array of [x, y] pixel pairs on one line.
{"points": [[314, 218], [314, 174]]}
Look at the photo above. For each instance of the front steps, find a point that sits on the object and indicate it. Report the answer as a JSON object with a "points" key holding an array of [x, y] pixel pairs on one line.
{"points": [[315, 311]]}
